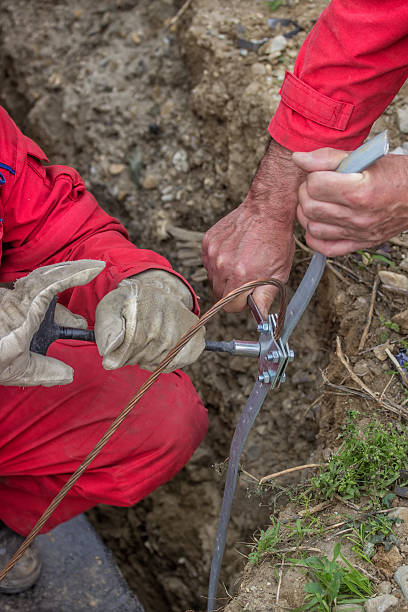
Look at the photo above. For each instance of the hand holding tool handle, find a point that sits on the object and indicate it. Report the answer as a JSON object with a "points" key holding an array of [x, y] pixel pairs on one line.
{"points": [[357, 161]]}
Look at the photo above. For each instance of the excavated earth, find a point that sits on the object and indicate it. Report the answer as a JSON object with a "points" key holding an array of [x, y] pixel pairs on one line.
{"points": [[167, 125]]}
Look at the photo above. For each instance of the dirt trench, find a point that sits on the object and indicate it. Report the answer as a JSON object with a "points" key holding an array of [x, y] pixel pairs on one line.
{"points": [[167, 128]]}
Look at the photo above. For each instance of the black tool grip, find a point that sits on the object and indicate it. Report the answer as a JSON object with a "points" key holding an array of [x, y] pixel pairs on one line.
{"points": [[49, 331]]}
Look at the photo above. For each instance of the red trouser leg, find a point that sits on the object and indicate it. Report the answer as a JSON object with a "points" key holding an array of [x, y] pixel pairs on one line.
{"points": [[45, 433]]}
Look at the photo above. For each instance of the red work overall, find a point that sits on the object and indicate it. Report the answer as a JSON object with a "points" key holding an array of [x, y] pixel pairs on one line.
{"points": [[47, 216]]}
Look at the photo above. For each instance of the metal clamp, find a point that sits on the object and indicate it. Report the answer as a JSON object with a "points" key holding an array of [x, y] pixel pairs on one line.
{"points": [[274, 354]]}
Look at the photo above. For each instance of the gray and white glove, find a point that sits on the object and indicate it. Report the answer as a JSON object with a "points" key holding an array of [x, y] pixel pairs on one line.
{"points": [[143, 318], [22, 310]]}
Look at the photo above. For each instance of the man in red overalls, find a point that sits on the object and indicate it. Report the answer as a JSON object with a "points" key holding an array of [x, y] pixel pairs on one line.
{"points": [[54, 409]]}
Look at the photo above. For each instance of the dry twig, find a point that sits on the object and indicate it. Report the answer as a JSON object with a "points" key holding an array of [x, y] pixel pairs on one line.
{"points": [[386, 386], [370, 314], [288, 471], [280, 580], [395, 408], [170, 23]]}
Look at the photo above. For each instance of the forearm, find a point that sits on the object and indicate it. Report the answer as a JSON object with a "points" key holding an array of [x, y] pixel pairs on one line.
{"points": [[349, 69], [274, 189]]}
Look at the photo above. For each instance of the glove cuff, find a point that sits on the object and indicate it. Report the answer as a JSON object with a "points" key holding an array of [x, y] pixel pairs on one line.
{"points": [[165, 282]]}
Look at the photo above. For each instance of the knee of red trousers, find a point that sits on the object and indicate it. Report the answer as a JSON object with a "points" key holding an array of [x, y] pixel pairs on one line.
{"points": [[150, 447], [170, 446]]}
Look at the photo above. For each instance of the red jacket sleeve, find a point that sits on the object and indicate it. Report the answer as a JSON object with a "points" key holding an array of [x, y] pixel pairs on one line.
{"points": [[347, 72], [48, 216]]}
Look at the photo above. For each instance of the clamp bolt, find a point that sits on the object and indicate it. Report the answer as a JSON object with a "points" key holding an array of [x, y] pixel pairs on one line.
{"points": [[264, 377], [283, 377], [263, 327], [291, 355], [274, 356]]}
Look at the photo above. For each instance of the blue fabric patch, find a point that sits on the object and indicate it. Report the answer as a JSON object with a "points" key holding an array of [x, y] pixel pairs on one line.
{"points": [[5, 167]]}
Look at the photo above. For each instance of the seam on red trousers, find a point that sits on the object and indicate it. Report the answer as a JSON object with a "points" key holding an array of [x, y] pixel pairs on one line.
{"points": [[313, 105]]}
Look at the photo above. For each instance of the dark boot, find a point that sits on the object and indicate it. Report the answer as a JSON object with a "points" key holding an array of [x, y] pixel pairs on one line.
{"points": [[26, 571]]}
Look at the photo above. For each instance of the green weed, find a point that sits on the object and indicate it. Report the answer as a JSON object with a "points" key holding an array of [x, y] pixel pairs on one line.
{"points": [[367, 462], [333, 584], [389, 324], [374, 530], [274, 4], [369, 258], [266, 543]]}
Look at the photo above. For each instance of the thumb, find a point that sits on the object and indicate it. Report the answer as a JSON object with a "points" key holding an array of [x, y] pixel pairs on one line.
{"points": [[110, 325], [263, 297], [321, 159], [44, 371], [45, 282], [66, 318]]}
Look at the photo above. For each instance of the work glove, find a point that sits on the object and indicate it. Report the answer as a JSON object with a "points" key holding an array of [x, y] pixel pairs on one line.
{"points": [[143, 318], [22, 310]]}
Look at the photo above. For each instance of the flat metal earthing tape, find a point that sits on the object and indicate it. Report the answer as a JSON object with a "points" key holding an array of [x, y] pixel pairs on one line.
{"points": [[357, 161]]}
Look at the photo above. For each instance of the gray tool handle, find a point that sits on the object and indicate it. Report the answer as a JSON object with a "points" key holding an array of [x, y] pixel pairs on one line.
{"points": [[355, 162]]}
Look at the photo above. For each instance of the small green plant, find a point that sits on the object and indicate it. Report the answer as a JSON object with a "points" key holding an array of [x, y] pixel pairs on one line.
{"points": [[333, 584], [304, 528], [389, 324], [369, 258], [368, 461], [374, 530], [274, 4], [266, 543]]}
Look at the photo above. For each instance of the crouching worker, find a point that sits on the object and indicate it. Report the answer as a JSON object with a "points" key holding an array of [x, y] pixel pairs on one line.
{"points": [[57, 240]]}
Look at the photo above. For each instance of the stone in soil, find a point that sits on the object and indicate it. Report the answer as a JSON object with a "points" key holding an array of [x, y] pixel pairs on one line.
{"points": [[380, 603], [401, 578]]}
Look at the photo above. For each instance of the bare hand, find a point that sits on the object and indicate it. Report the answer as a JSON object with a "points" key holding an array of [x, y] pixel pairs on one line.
{"points": [[342, 213], [255, 241]]}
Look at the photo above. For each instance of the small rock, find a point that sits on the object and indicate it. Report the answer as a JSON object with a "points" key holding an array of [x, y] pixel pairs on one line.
{"points": [[166, 109], [122, 195], [401, 578], [258, 68], [387, 561], [115, 169], [149, 182], [401, 527], [384, 588], [404, 263], [380, 353], [180, 161], [380, 603], [402, 320], [136, 38], [402, 115], [54, 80], [361, 368], [393, 281], [275, 46]]}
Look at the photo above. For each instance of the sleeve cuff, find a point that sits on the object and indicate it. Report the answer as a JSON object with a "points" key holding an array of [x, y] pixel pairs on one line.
{"points": [[307, 119]]}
